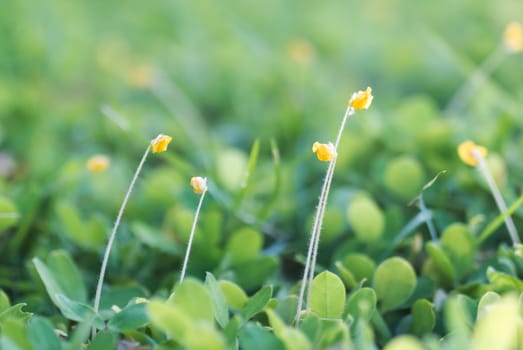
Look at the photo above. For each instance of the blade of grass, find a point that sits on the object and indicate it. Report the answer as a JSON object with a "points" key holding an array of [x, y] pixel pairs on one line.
{"points": [[498, 221]]}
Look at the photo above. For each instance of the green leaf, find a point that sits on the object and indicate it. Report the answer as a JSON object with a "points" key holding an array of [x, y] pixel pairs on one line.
{"points": [[76, 311], [394, 282], [121, 296], [404, 342], [68, 275], [444, 269], [79, 337], [275, 321], [14, 335], [220, 304], [234, 295], [74, 226], [252, 336], [360, 265], [312, 327], [423, 317], [347, 276], [253, 273], [292, 338], [458, 244], [257, 302], [104, 341], [155, 239], [15, 312], [287, 307], [244, 245], [4, 301], [8, 214], [131, 317], [169, 318], [334, 333], [41, 334], [503, 282], [486, 300], [366, 219], [362, 304], [194, 300], [327, 295], [203, 337], [499, 327], [61, 276]]}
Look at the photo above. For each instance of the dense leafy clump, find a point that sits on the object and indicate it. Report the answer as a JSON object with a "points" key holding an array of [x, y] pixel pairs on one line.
{"points": [[415, 251]]}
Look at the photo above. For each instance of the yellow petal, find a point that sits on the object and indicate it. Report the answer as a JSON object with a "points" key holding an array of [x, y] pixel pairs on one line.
{"points": [[199, 184], [98, 163], [361, 99], [324, 151], [466, 152], [513, 37], [159, 144]]}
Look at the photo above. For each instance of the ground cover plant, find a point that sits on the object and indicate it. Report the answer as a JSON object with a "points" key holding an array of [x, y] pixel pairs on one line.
{"points": [[174, 175]]}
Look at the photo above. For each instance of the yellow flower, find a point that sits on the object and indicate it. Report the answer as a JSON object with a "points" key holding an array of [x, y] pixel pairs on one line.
{"points": [[361, 99], [300, 51], [159, 144], [141, 76], [199, 184], [324, 151], [467, 152], [513, 37], [98, 163]]}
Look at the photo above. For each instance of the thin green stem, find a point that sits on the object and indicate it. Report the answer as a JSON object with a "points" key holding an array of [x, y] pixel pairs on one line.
{"points": [[430, 224], [113, 235], [498, 198], [191, 236]]}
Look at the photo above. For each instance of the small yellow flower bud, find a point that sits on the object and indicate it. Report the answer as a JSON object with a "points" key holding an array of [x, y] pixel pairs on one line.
{"points": [[466, 152], [300, 51], [199, 184], [141, 300], [159, 144], [141, 76], [324, 151], [361, 99], [98, 163], [513, 37]]}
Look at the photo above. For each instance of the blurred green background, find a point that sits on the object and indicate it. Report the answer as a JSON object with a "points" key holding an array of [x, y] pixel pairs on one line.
{"points": [[79, 78]]}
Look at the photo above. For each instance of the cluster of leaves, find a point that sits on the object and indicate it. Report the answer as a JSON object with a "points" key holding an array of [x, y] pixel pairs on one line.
{"points": [[244, 89]]}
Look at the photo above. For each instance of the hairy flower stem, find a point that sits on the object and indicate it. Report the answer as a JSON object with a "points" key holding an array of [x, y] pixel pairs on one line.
{"points": [[191, 236], [312, 252], [113, 235], [498, 198]]}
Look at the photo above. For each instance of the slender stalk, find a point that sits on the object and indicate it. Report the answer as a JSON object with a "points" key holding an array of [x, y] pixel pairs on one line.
{"points": [[113, 235], [498, 198], [312, 252], [191, 236], [430, 224], [329, 176], [476, 79]]}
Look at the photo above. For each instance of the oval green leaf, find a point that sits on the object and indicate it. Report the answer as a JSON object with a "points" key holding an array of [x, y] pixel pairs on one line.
{"points": [[194, 300], [394, 282], [328, 295], [362, 304]]}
